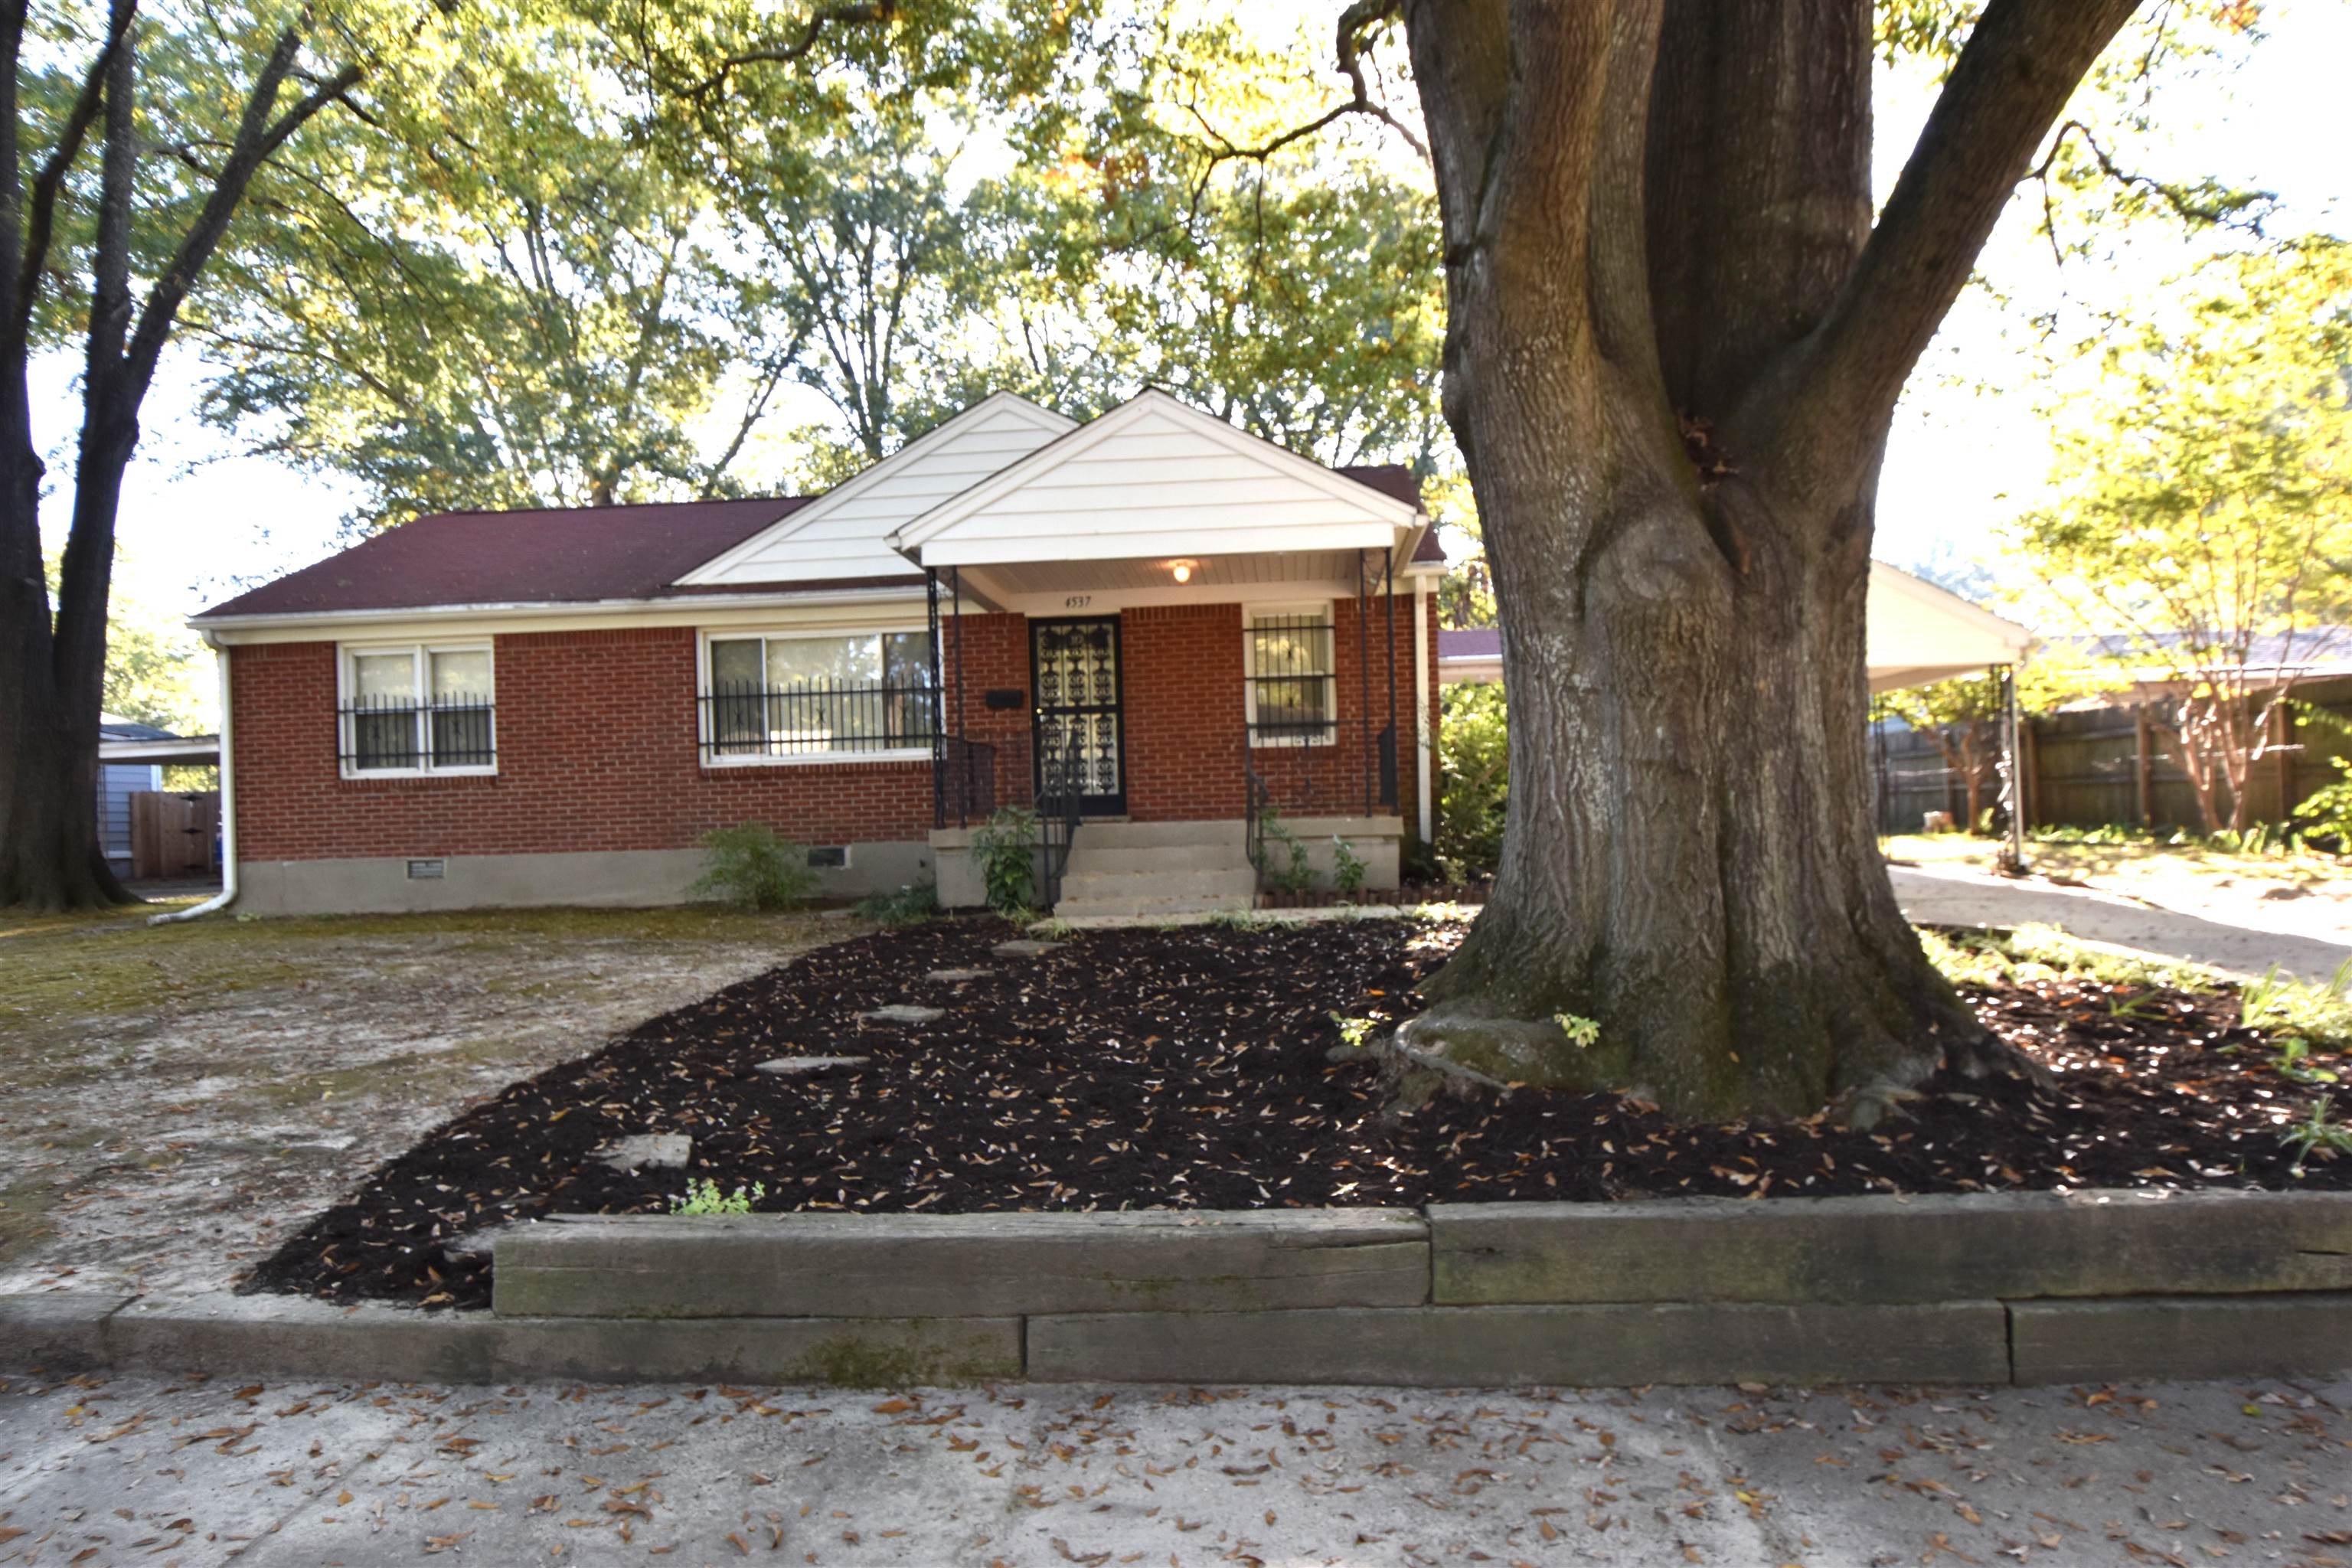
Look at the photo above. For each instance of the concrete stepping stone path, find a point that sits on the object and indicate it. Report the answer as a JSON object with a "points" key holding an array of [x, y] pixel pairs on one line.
{"points": [[958, 976], [648, 1150], [902, 1012], [1027, 947], [807, 1066]]}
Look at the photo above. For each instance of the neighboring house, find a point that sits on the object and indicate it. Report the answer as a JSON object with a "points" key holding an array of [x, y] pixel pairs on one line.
{"points": [[131, 757], [1153, 628], [1917, 633]]}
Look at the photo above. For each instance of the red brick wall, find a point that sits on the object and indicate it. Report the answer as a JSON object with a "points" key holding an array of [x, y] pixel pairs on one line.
{"points": [[597, 741]]}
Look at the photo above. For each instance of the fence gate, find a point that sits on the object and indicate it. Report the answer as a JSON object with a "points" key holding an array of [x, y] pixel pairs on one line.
{"points": [[174, 835]]}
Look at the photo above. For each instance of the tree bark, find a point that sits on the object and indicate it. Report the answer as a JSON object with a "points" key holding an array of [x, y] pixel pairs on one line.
{"points": [[1673, 345]]}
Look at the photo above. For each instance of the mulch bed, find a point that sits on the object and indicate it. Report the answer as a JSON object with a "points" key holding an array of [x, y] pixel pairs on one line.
{"points": [[1187, 1067]]}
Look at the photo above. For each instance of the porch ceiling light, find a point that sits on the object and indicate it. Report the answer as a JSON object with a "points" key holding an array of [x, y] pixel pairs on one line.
{"points": [[1181, 570]]}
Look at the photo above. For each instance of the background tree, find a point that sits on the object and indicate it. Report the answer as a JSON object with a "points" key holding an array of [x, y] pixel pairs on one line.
{"points": [[2201, 530], [502, 295], [127, 147]]}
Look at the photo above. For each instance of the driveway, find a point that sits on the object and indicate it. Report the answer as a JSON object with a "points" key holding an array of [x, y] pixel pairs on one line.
{"points": [[1951, 896], [138, 1470]]}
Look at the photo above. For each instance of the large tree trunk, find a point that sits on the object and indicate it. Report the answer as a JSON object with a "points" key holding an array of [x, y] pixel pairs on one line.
{"points": [[1671, 368]]}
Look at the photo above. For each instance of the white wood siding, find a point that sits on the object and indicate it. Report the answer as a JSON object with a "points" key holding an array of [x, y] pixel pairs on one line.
{"points": [[1156, 479], [843, 533]]}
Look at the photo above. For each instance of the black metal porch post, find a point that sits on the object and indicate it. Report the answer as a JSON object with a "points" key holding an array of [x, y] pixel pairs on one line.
{"points": [[1391, 761], [964, 748], [939, 726]]}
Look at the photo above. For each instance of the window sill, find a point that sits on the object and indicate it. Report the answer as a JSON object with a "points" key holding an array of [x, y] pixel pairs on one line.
{"points": [[1290, 743], [819, 759], [368, 775]]}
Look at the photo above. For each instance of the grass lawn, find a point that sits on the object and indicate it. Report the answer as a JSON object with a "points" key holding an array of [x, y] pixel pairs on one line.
{"points": [[171, 1097], [2304, 893]]}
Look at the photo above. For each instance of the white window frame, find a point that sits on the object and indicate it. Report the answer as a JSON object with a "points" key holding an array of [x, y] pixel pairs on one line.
{"points": [[1327, 610], [420, 655], [705, 742]]}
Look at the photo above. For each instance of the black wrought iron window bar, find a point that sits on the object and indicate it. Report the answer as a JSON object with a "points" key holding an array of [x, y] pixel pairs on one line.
{"points": [[400, 734], [818, 718], [1291, 680]]}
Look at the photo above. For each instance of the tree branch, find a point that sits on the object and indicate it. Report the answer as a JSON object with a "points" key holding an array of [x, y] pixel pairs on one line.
{"points": [[2022, 63], [41, 218], [1355, 22], [854, 14]]}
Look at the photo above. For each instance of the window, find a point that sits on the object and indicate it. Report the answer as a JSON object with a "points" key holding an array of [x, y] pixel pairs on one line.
{"points": [[418, 709], [1287, 660], [838, 694]]}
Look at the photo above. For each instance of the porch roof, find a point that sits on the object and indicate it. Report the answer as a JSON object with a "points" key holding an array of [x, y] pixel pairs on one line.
{"points": [[1154, 482]]}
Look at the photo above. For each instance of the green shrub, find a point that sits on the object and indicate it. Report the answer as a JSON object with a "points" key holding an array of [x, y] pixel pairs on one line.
{"points": [[750, 867], [1006, 849], [911, 904], [1474, 760], [2327, 815], [1290, 873], [1348, 867]]}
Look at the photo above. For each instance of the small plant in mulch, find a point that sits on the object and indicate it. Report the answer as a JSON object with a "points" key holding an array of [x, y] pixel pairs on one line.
{"points": [[1005, 850], [1208, 1067], [703, 1197], [905, 905]]}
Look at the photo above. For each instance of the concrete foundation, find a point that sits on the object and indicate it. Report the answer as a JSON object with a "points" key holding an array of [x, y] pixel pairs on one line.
{"points": [[614, 878]]}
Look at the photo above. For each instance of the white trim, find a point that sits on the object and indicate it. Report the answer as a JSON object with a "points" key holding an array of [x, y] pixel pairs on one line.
{"points": [[420, 673], [919, 540], [715, 570], [227, 895], [1243, 537], [1421, 736], [580, 614], [709, 757], [1328, 610]]}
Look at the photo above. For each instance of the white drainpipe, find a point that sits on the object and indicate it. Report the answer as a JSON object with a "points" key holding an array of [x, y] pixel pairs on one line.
{"points": [[227, 895], [1420, 699]]}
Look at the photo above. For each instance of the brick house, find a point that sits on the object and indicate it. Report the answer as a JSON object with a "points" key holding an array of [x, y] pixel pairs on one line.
{"points": [[1159, 632]]}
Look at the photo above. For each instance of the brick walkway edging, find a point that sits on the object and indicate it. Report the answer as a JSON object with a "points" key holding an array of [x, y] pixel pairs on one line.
{"points": [[2028, 1288]]}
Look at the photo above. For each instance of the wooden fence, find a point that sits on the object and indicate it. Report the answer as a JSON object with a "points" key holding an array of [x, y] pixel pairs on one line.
{"points": [[2098, 766], [174, 834]]}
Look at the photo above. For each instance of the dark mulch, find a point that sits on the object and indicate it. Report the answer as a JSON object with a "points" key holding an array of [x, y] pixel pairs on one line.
{"points": [[1187, 1067]]}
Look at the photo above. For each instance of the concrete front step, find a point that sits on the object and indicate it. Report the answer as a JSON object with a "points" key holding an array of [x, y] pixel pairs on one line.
{"points": [[1088, 857], [1153, 908], [1158, 834], [1216, 883]]}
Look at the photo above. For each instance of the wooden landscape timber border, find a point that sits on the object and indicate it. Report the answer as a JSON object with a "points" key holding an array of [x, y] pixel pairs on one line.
{"points": [[2026, 1288]]}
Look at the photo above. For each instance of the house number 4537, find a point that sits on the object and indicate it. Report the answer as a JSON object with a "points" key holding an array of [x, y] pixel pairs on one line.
{"points": [[1077, 600]]}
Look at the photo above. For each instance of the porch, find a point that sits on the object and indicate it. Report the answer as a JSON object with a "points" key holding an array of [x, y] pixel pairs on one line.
{"points": [[1197, 659]]}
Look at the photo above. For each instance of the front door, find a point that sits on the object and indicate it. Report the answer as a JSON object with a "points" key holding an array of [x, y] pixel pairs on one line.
{"points": [[1074, 673]]}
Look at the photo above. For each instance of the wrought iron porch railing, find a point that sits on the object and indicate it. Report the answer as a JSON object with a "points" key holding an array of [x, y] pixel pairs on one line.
{"points": [[1061, 792], [1315, 767], [965, 788]]}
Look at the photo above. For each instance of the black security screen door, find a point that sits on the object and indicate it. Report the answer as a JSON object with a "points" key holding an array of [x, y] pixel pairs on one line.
{"points": [[1074, 676]]}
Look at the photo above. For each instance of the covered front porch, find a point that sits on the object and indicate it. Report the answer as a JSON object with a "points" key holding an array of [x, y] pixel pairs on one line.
{"points": [[1185, 652]]}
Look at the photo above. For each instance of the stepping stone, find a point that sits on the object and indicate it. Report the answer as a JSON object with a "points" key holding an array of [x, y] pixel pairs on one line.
{"points": [[903, 1012], [649, 1150], [806, 1067], [1027, 947], [956, 976]]}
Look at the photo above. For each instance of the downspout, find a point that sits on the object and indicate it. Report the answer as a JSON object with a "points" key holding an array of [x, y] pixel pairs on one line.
{"points": [[227, 895], [1420, 703]]}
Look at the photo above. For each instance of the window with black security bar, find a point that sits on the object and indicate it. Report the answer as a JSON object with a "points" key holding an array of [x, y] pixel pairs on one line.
{"points": [[417, 710], [1291, 679], [843, 695]]}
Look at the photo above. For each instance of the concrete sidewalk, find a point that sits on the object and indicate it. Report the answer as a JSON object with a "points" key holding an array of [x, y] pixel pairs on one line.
{"points": [[1941, 896], [142, 1469]]}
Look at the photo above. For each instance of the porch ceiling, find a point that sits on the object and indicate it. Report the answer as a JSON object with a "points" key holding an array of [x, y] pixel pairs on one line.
{"points": [[1212, 576]]}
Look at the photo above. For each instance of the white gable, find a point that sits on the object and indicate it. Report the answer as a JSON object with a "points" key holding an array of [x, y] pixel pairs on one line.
{"points": [[1155, 477], [845, 532]]}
